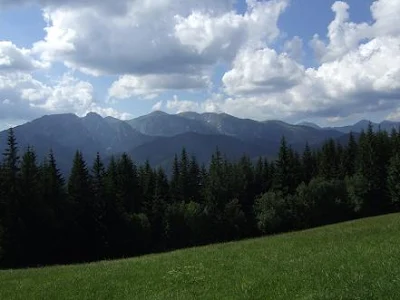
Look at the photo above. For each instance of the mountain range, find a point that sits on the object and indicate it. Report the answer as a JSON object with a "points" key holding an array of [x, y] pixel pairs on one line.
{"points": [[158, 136]]}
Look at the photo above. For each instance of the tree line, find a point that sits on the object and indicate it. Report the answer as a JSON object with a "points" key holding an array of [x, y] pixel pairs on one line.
{"points": [[123, 209]]}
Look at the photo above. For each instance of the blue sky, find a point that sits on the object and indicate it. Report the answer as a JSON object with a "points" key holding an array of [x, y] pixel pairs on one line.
{"points": [[330, 62]]}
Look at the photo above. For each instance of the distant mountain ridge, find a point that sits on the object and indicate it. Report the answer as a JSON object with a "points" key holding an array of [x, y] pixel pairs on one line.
{"points": [[158, 136]]}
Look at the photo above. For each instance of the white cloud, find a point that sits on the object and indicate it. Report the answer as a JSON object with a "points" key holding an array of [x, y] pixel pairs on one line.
{"points": [[262, 71], [150, 86], [394, 116], [157, 106], [24, 97], [210, 105], [294, 48], [153, 37], [13, 58], [179, 106], [355, 76], [167, 45], [220, 36]]}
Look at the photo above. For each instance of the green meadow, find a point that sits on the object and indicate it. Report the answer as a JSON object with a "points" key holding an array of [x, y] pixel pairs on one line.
{"points": [[352, 260]]}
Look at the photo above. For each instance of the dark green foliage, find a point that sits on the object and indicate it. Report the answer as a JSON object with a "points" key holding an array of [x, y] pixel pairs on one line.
{"points": [[55, 216], [282, 175], [271, 210], [82, 211], [394, 181], [10, 213], [308, 164], [350, 156], [357, 189], [123, 209]]}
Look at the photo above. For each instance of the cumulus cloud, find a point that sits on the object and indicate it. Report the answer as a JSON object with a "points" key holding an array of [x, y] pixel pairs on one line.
{"points": [[179, 106], [213, 104], [149, 39], [139, 40], [150, 86], [157, 106], [262, 71], [23, 97], [159, 46], [359, 72], [294, 48], [13, 58]]}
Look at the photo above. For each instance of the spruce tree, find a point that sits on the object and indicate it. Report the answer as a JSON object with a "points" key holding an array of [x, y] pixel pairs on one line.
{"points": [[128, 192], [175, 193], [11, 219], [98, 181], [56, 219], [350, 156], [308, 164], [282, 169], [393, 181], [194, 181], [82, 211], [32, 211]]}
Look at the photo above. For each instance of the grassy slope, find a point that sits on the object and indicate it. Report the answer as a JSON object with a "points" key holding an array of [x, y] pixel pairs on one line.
{"points": [[353, 260]]}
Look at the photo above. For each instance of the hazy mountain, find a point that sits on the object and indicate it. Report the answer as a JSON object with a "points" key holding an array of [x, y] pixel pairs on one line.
{"points": [[158, 136], [309, 124], [161, 151], [65, 133], [363, 125], [253, 131], [162, 124]]}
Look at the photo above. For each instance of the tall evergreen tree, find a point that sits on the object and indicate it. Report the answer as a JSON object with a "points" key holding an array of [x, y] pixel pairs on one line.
{"points": [[83, 210], [282, 168], [9, 214], [32, 211], [56, 216], [98, 181], [393, 181], [329, 160], [308, 164], [128, 192], [175, 193], [350, 156], [194, 181]]}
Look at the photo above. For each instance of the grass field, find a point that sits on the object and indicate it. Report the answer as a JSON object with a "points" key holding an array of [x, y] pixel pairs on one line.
{"points": [[353, 260]]}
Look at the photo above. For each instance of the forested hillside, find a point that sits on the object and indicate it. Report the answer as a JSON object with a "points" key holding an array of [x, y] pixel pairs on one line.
{"points": [[122, 209]]}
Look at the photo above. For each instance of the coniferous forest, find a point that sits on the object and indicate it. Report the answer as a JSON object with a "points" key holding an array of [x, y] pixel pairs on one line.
{"points": [[122, 209]]}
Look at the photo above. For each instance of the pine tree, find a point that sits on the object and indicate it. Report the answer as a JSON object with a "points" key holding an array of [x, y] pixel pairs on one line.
{"points": [[184, 180], [83, 210], [194, 181], [282, 169], [32, 211], [56, 218], [329, 160], [9, 214], [98, 181], [115, 214], [350, 156], [246, 186], [175, 193], [393, 181], [156, 212], [128, 192], [258, 177], [295, 172], [308, 164], [147, 182]]}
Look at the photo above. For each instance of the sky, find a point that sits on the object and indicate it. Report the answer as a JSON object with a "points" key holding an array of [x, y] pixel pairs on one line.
{"points": [[328, 62]]}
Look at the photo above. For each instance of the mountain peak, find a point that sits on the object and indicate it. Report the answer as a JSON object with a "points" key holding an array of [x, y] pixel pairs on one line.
{"points": [[93, 115], [157, 113], [309, 124]]}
